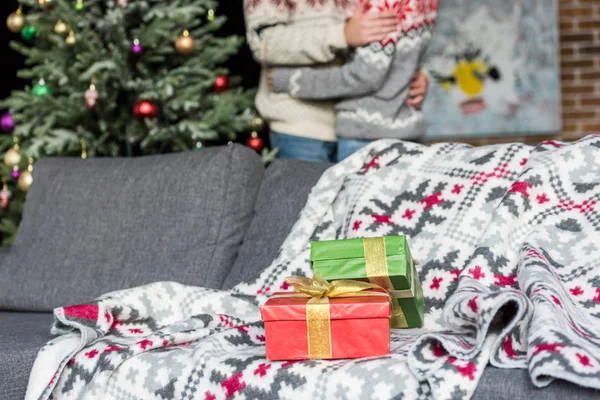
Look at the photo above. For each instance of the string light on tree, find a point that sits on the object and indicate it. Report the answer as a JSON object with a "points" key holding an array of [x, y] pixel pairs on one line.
{"points": [[79, 5], [137, 48], [185, 43], [6, 123], [16, 21], [60, 28], [28, 32], [211, 15], [41, 89], [26, 178], [221, 84], [71, 40], [145, 109]]}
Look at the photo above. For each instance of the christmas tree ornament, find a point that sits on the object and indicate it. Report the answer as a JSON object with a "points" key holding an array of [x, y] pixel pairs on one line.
{"points": [[185, 43], [145, 109], [26, 178], [255, 142], [211, 15], [28, 32], [83, 150], [122, 3], [221, 84], [12, 157], [91, 96], [16, 21], [5, 196], [71, 39], [41, 89], [60, 28], [6, 123], [137, 48], [46, 4], [198, 146], [257, 124], [79, 5], [15, 173]]}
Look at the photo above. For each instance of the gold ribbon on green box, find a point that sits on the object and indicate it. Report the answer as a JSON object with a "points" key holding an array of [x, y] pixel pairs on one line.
{"points": [[317, 308], [378, 274]]}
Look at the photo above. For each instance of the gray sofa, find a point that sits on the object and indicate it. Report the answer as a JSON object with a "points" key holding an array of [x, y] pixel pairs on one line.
{"points": [[213, 218]]}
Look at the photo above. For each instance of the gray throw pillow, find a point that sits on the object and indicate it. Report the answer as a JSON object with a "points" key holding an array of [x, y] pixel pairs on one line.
{"points": [[282, 195], [104, 224]]}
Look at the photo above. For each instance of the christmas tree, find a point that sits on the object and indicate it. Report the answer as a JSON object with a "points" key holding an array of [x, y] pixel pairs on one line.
{"points": [[117, 78]]}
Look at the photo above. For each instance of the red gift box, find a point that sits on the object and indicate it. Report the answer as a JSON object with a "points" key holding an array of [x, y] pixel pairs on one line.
{"points": [[357, 327]]}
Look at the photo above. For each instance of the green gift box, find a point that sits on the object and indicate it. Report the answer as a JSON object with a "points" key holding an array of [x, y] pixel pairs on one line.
{"points": [[385, 261]]}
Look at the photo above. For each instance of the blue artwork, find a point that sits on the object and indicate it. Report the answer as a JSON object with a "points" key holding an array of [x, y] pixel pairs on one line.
{"points": [[494, 68]]}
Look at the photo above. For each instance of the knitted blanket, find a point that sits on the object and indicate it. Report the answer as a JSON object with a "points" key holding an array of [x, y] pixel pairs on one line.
{"points": [[507, 237]]}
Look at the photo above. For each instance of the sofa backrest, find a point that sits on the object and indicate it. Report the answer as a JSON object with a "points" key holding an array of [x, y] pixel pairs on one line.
{"points": [[283, 193], [99, 225]]}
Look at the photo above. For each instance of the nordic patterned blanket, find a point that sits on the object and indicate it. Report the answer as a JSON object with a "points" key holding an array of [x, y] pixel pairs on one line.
{"points": [[508, 239]]}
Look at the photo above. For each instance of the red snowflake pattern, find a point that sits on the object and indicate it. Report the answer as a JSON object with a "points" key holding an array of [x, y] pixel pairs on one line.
{"points": [[290, 4], [251, 5], [343, 4], [315, 3]]}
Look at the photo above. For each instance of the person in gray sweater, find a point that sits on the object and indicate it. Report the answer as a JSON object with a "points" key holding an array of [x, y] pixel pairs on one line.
{"points": [[373, 85]]}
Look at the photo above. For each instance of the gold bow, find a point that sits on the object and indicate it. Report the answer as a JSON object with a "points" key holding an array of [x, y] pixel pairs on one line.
{"points": [[319, 287], [318, 320]]}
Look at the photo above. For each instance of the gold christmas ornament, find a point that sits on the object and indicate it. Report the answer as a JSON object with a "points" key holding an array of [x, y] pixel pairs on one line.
{"points": [[16, 21], [12, 157], [185, 43], [71, 40], [61, 28], [26, 178]]}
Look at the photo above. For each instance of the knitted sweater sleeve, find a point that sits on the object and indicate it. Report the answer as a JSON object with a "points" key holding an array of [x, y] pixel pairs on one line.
{"points": [[275, 39], [364, 73]]}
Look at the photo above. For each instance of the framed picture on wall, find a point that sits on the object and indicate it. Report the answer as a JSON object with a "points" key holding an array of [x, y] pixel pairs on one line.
{"points": [[494, 69]]}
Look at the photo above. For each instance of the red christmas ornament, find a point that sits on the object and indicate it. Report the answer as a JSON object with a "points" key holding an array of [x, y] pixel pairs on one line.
{"points": [[255, 143], [221, 84], [145, 109]]}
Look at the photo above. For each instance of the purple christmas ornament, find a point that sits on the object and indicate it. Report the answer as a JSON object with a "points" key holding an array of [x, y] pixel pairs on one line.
{"points": [[7, 123], [15, 172], [137, 48]]}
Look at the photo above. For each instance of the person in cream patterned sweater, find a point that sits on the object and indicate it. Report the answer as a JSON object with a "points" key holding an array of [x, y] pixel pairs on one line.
{"points": [[310, 33]]}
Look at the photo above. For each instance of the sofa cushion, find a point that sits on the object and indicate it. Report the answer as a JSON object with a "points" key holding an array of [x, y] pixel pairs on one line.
{"points": [[282, 196], [99, 225], [22, 335]]}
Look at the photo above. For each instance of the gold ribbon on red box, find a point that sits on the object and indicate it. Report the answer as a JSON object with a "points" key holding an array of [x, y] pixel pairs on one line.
{"points": [[317, 308]]}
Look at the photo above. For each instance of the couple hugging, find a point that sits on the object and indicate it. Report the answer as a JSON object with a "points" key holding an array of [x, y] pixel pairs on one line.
{"points": [[337, 74]]}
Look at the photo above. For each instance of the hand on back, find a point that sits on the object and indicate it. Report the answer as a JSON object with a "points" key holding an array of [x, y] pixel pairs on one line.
{"points": [[366, 27], [418, 90]]}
